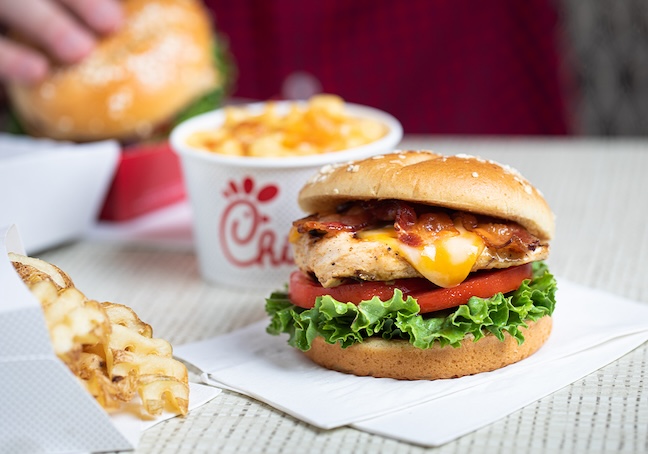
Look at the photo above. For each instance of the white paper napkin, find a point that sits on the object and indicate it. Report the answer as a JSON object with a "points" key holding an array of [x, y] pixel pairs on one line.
{"points": [[442, 420], [266, 368]]}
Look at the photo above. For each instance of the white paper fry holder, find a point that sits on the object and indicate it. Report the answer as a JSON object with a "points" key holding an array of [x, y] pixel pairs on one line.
{"points": [[44, 407]]}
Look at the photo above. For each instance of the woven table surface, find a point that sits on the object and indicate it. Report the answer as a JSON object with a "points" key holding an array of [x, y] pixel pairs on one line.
{"points": [[598, 190]]}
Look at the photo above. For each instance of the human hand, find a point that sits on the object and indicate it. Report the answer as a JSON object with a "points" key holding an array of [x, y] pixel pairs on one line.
{"points": [[64, 31]]}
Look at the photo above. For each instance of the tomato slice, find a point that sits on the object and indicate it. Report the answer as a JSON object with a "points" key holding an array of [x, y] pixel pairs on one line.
{"points": [[303, 290]]}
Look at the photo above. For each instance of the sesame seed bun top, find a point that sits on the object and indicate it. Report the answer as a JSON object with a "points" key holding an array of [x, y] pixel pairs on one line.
{"points": [[460, 182]]}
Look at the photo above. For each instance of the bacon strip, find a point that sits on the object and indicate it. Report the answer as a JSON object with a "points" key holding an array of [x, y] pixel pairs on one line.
{"points": [[418, 224]]}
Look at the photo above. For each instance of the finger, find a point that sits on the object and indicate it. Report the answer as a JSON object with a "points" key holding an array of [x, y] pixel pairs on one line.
{"points": [[102, 16], [21, 64], [50, 26]]}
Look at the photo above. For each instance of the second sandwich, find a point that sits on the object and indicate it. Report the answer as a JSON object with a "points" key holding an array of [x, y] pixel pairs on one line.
{"points": [[415, 265]]}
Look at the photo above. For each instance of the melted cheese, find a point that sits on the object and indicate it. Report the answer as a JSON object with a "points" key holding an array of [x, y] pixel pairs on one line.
{"points": [[446, 260]]}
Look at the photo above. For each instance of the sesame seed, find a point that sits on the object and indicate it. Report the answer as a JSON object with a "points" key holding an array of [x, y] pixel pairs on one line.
{"points": [[468, 156], [119, 101]]}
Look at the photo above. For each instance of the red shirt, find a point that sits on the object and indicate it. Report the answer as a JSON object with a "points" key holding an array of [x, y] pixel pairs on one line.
{"points": [[439, 66]]}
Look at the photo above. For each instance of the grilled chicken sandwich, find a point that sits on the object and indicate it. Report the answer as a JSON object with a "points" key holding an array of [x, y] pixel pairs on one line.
{"points": [[415, 265]]}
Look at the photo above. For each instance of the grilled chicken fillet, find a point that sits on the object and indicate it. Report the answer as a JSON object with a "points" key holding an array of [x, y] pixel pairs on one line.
{"points": [[351, 243]]}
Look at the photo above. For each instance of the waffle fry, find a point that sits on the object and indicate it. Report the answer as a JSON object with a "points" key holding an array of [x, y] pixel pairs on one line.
{"points": [[154, 390], [110, 394], [106, 345], [33, 270], [72, 320], [123, 338], [125, 316]]}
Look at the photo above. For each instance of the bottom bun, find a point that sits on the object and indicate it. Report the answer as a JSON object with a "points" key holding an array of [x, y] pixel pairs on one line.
{"points": [[399, 359]]}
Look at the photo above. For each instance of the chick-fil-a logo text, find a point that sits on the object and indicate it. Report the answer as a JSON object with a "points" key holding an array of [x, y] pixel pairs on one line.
{"points": [[245, 234]]}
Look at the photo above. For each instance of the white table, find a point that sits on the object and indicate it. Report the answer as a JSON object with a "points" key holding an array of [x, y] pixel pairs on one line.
{"points": [[599, 192]]}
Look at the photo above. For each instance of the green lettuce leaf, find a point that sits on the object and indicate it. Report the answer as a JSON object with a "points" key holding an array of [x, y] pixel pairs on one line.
{"points": [[399, 318]]}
